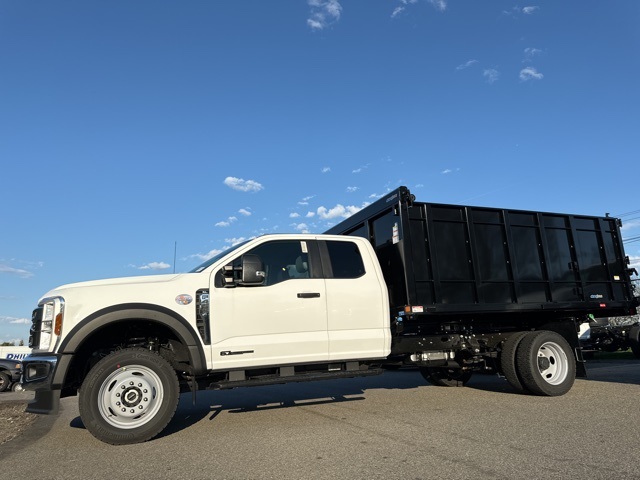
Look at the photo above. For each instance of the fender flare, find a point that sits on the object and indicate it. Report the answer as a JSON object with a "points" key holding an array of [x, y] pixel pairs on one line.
{"points": [[139, 311]]}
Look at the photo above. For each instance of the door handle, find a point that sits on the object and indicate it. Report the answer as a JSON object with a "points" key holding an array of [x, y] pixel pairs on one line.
{"points": [[308, 295]]}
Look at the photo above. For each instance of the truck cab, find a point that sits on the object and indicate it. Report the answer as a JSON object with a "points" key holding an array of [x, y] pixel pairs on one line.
{"points": [[276, 306]]}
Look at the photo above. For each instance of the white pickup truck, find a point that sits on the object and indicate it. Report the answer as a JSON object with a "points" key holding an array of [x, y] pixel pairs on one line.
{"points": [[449, 289], [274, 309]]}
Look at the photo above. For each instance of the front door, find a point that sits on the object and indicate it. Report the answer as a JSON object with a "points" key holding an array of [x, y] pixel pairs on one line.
{"points": [[282, 321]]}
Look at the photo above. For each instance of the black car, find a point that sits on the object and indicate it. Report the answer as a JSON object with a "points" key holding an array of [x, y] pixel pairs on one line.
{"points": [[10, 371]]}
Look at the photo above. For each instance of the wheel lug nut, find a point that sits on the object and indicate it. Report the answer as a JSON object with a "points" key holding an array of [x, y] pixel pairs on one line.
{"points": [[140, 385], [140, 407], [133, 411], [124, 409], [122, 387], [145, 399], [118, 404], [118, 395], [145, 390], [130, 383]]}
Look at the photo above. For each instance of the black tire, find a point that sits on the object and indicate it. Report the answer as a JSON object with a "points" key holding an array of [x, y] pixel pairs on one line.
{"points": [[508, 361], [546, 363], [129, 397], [634, 340], [5, 381], [446, 377]]}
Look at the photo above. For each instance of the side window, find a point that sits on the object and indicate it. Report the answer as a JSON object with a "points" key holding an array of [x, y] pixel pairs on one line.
{"points": [[282, 259], [346, 261]]}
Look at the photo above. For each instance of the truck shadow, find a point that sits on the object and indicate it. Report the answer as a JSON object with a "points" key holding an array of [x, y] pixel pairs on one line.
{"points": [[210, 404]]}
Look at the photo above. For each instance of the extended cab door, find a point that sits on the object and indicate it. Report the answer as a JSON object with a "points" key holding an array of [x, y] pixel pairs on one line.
{"points": [[281, 321], [357, 300]]}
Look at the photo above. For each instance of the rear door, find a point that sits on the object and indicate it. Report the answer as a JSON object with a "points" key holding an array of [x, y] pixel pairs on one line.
{"points": [[357, 302]]}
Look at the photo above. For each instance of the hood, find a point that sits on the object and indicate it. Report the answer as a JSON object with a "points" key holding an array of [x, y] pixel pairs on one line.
{"points": [[120, 281]]}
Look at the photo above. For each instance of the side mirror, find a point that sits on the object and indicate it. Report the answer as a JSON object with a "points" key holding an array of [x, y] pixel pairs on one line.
{"points": [[252, 270]]}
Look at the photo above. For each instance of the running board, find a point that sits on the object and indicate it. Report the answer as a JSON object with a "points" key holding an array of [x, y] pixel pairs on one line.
{"points": [[238, 378]]}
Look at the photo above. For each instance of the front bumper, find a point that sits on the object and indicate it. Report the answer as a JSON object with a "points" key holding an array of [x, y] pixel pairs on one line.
{"points": [[42, 374]]}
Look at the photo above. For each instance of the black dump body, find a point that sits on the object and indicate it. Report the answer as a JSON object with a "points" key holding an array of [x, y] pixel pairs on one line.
{"points": [[506, 266]]}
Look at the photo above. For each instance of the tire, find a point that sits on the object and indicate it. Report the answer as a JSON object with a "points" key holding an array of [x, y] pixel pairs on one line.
{"points": [[5, 381], [446, 377], [508, 361], [634, 340], [546, 363], [16, 387], [129, 397]]}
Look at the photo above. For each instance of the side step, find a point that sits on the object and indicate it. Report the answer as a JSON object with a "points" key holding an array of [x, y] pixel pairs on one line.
{"points": [[242, 378]]}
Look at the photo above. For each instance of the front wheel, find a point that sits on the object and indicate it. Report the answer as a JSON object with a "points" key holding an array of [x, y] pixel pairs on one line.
{"points": [[446, 377], [546, 363], [129, 396]]}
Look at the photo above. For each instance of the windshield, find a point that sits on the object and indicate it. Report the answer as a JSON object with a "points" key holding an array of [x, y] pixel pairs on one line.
{"points": [[217, 257]]}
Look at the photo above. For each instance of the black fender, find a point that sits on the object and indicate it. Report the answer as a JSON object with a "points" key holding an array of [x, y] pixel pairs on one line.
{"points": [[139, 311]]}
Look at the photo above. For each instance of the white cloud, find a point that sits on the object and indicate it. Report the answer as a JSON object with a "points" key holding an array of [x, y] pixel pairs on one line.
{"points": [[445, 172], [235, 241], [530, 73], [402, 7], [491, 75], [630, 225], [155, 266], [530, 52], [245, 211], [243, 185], [440, 5], [227, 222], [339, 211], [294, 215], [15, 271], [530, 10], [15, 321], [310, 214], [206, 256], [467, 64], [326, 169], [323, 13], [397, 11], [357, 170], [634, 262], [352, 189], [301, 227]]}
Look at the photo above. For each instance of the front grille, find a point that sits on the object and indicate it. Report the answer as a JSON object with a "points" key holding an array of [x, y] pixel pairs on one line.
{"points": [[202, 315], [36, 327]]}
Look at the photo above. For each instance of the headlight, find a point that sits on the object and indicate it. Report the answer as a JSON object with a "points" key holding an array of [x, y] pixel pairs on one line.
{"points": [[52, 319]]}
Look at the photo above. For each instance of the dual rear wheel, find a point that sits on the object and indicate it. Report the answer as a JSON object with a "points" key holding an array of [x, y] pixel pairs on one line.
{"points": [[539, 362]]}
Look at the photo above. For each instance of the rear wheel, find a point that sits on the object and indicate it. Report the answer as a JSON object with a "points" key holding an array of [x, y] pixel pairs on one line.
{"points": [[634, 340], [5, 381], [129, 397], [446, 377], [546, 363], [508, 361]]}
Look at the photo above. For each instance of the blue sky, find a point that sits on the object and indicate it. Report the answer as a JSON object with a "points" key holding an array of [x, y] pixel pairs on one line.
{"points": [[128, 126]]}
